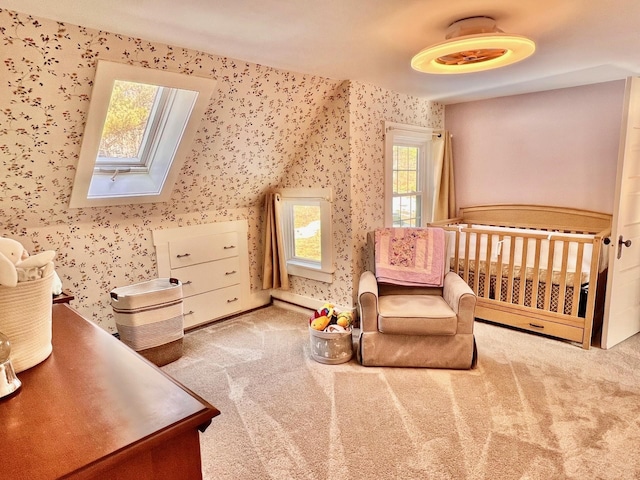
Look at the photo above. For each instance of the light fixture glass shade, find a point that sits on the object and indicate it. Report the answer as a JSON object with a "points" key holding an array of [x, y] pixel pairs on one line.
{"points": [[473, 52]]}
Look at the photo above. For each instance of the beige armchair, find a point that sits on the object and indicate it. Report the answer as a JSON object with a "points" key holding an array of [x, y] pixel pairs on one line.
{"points": [[409, 326]]}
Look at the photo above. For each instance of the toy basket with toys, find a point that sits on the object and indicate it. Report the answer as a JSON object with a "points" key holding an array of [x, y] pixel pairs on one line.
{"points": [[330, 335]]}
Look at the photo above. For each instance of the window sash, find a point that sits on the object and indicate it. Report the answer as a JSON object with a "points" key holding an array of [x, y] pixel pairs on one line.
{"points": [[323, 269], [293, 243], [155, 128], [414, 218]]}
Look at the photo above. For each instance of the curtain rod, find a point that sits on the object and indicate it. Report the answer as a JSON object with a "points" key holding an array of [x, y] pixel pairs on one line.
{"points": [[434, 131], [438, 133]]}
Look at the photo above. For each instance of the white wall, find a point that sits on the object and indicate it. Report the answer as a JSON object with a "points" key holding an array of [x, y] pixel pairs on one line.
{"points": [[557, 147]]}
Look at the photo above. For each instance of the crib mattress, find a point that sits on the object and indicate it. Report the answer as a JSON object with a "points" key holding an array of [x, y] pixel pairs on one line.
{"points": [[500, 293]]}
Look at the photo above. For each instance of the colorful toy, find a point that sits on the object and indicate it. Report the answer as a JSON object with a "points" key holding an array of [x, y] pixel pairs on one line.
{"points": [[320, 323], [328, 319]]}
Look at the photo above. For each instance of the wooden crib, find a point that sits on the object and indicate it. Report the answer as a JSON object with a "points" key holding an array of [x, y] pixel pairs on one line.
{"points": [[537, 268]]}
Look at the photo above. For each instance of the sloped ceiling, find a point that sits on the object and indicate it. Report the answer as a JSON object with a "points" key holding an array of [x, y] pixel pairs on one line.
{"points": [[578, 42]]}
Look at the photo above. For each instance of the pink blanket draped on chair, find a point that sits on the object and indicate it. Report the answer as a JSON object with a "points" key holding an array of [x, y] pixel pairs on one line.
{"points": [[410, 256]]}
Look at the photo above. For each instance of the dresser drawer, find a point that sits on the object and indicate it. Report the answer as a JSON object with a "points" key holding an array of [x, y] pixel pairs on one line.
{"points": [[208, 306], [204, 277], [191, 251]]}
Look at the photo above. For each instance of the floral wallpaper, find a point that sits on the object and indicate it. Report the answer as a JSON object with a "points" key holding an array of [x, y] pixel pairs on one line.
{"points": [[264, 128], [370, 107]]}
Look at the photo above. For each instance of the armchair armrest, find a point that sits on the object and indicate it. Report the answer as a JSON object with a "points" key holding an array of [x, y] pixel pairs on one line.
{"points": [[461, 299], [368, 302]]}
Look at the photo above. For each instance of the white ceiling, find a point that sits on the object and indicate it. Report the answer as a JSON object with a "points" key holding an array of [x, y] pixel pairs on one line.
{"points": [[578, 41]]}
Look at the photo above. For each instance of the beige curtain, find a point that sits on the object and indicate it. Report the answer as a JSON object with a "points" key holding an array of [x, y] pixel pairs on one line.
{"points": [[274, 266], [444, 199]]}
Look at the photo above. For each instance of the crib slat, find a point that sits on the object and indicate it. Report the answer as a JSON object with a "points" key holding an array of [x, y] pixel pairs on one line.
{"points": [[536, 274], [562, 284], [523, 270], [476, 256], [467, 241], [512, 252], [487, 268], [548, 279], [498, 293], [577, 284], [456, 251]]}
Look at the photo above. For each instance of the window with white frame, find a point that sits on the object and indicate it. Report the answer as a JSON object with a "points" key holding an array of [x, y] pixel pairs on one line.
{"points": [[308, 239], [134, 120], [140, 127], [408, 175]]}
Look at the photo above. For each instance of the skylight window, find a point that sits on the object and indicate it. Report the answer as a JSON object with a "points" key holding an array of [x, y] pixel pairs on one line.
{"points": [[132, 118], [140, 127]]}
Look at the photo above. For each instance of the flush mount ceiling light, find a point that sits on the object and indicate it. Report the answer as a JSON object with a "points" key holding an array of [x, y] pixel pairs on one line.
{"points": [[473, 44]]}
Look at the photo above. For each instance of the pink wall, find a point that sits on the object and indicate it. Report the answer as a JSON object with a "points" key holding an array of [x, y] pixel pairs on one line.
{"points": [[556, 147]]}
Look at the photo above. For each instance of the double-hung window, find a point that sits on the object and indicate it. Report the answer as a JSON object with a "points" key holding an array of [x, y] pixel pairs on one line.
{"points": [[306, 226], [408, 178]]}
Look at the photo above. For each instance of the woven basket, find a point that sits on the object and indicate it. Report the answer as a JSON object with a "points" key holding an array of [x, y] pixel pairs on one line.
{"points": [[25, 318], [149, 318]]}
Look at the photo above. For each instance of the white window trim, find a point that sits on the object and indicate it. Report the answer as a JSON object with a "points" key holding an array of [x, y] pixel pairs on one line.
{"points": [[119, 192], [421, 136], [300, 267]]}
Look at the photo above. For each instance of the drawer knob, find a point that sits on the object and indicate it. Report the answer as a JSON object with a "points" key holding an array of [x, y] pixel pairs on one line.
{"points": [[190, 312], [183, 255], [227, 247], [234, 299], [535, 325], [230, 273]]}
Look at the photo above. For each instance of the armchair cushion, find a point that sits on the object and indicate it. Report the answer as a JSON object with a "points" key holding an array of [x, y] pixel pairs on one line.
{"points": [[415, 315]]}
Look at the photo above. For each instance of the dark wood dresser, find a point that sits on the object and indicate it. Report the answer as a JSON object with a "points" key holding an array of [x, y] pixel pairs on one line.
{"points": [[97, 410]]}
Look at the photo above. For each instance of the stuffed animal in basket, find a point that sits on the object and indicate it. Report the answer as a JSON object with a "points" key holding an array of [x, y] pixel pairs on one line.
{"points": [[327, 319], [17, 265]]}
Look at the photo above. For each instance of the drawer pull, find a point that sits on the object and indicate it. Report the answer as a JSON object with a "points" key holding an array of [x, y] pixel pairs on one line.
{"points": [[227, 247], [234, 299], [188, 282], [230, 273], [190, 312], [534, 325], [183, 255]]}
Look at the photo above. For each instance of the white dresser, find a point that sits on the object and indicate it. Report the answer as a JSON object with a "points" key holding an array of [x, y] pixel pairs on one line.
{"points": [[212, 262]]}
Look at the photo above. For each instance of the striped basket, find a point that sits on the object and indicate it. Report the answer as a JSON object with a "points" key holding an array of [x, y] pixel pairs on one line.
{"points": [[25, 318], [149, 318]]}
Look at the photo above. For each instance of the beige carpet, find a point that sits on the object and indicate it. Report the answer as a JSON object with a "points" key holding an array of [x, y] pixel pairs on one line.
{"points": [[534, 408]]}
